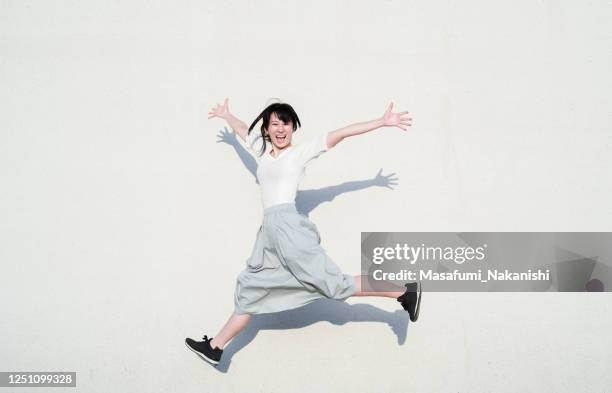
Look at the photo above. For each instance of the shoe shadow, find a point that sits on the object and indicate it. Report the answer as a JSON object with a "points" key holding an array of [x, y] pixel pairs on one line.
{"points": [[333, 311]]}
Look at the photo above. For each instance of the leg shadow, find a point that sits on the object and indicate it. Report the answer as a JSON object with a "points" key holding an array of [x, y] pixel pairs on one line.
{"points": [[333, 311]]}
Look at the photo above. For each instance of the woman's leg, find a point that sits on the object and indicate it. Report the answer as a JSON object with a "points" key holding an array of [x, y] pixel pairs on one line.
{"points": [[383, 288], [233, 326]]}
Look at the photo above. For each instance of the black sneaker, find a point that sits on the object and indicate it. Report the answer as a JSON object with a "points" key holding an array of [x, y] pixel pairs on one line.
{"points": [[204, 350], [410, 301]]}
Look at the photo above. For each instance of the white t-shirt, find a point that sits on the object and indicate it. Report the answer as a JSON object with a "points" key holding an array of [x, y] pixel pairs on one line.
{"points": [[279, 177]]}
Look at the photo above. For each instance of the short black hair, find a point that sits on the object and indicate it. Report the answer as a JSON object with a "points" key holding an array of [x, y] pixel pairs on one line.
{"points": [[284, 112]]}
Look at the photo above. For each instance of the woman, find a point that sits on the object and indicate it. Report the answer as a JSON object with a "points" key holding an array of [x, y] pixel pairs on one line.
{"points": [[288, 268]]}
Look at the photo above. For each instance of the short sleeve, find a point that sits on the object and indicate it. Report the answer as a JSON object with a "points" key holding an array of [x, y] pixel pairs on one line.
{"points": [[313, 148]]}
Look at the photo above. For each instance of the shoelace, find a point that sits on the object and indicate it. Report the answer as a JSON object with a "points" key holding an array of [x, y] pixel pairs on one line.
{"points": [[208, 340]]}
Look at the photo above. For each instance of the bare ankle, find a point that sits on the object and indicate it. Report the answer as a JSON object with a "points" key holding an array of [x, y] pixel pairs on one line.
{"points": [[214, 344]]}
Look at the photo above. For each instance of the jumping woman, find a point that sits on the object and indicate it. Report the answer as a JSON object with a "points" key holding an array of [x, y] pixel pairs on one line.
{"points": [[288, 268]]}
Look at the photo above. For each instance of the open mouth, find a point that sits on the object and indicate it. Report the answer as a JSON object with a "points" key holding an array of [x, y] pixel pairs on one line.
{"points": [[281, 138]]}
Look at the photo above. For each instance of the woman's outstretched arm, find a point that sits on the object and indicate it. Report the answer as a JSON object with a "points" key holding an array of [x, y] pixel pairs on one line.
{"points": [[223, 112], [390, 119]]}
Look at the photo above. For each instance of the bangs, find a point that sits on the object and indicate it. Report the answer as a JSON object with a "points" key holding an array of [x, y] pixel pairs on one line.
{"points": [[284, 116], [284, 112]]}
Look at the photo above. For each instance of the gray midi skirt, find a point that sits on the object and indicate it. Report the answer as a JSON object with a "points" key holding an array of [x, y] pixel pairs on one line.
{"points": [[288, 268]]}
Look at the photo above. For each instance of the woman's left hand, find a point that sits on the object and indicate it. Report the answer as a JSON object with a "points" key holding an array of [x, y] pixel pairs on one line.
{"points": [[396, 119]]}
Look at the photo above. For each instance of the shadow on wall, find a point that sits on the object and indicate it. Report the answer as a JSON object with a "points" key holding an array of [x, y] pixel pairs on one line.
{"points": [[333, 311], [307, 200]]}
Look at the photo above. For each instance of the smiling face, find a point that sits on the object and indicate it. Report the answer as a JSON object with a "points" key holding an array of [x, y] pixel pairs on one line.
{"points": [[280, 132]]}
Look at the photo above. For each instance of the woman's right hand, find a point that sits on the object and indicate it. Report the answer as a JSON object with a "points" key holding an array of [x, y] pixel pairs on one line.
{"points": [[221, 111]]}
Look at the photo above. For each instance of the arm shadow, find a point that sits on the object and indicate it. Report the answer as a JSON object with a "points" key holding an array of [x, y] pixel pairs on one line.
{"points": [[332, 311], [308, 200]]}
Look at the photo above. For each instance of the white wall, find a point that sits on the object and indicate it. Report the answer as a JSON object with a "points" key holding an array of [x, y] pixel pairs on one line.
{"points": [[124, 223]]}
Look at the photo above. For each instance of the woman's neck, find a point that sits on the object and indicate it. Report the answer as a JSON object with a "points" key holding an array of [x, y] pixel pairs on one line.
{"points": [[276, 151]]}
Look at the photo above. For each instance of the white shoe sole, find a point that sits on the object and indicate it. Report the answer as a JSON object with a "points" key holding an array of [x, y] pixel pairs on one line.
{"points": [[202, 356]]}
